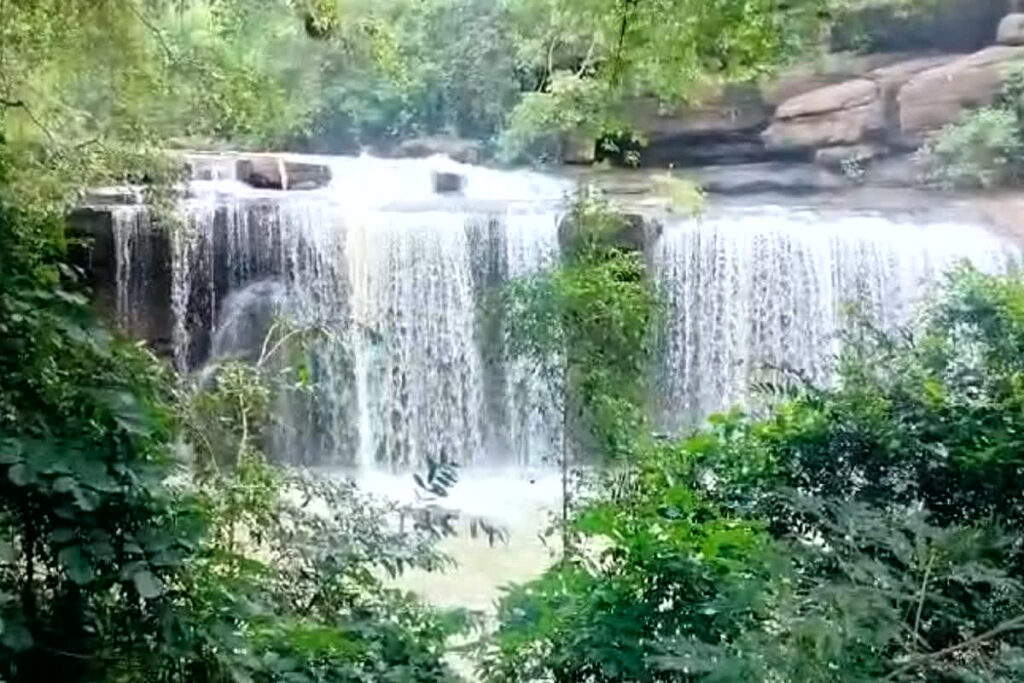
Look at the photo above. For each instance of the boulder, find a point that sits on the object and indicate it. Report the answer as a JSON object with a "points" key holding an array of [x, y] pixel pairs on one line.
{"points": [[457, 149], [1011, 30], [446, 182], [828, 70], [848, 95], [843, 114], [276, 173], [855, 112], [937, 97], [578, 148]]}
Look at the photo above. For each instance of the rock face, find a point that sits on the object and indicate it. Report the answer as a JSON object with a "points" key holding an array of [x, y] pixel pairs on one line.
{"points": [[937, 97], [842, 114], [278, 173], [447, 183], [829, 70], [147, 314], [578, 148], [721, 128], [1011, 30], [860, 111]]}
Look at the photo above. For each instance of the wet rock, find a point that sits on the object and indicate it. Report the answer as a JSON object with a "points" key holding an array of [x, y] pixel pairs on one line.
{"points": [[446, 182], [937, 97], [781, 178], [1011, 30], [579, 148], [892, 172], [276, 173], [146, 279], [457, 149]]}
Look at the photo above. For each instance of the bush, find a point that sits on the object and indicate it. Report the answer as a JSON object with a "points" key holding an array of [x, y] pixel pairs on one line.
{"points": [[984, 150]]}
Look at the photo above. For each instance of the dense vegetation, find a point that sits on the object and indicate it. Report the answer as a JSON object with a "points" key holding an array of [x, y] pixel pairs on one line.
{"points": [[862, 532], [329, 76], [867, 531], [130, 555], [985, 149]]}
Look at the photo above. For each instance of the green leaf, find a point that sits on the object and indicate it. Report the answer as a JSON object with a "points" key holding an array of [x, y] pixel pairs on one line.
{"points": [[74, 560], [86, 500], [148, 586], [20, 475]]}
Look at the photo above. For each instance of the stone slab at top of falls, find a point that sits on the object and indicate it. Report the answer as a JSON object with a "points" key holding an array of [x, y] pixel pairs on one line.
{"points": [[415, 364], [368, 181]]}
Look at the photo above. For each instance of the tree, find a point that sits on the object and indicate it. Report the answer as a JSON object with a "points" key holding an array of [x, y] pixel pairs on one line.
{"points": [[586, 328], [590, 55]]}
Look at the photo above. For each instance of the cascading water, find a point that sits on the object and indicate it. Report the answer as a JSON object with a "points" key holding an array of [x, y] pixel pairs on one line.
{"points": [[409, 362], [748, 290]]}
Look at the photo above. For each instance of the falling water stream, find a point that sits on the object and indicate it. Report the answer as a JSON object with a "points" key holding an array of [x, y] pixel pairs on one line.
{"points": [[411, 364]]}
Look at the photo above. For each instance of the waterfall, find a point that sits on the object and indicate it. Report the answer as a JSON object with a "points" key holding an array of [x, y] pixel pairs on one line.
{"points": [[407, 359], [752, 289]]}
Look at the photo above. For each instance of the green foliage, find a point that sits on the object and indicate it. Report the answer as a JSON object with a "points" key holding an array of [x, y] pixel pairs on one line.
{"points": [[541, 121], [985, 149], [593, 54], [592, 316], [867, 531], [91, 534], [404, 68], [120, 563]]}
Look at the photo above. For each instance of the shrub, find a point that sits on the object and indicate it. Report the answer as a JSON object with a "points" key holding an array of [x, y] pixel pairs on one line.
{"points": [[985, 149]]}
